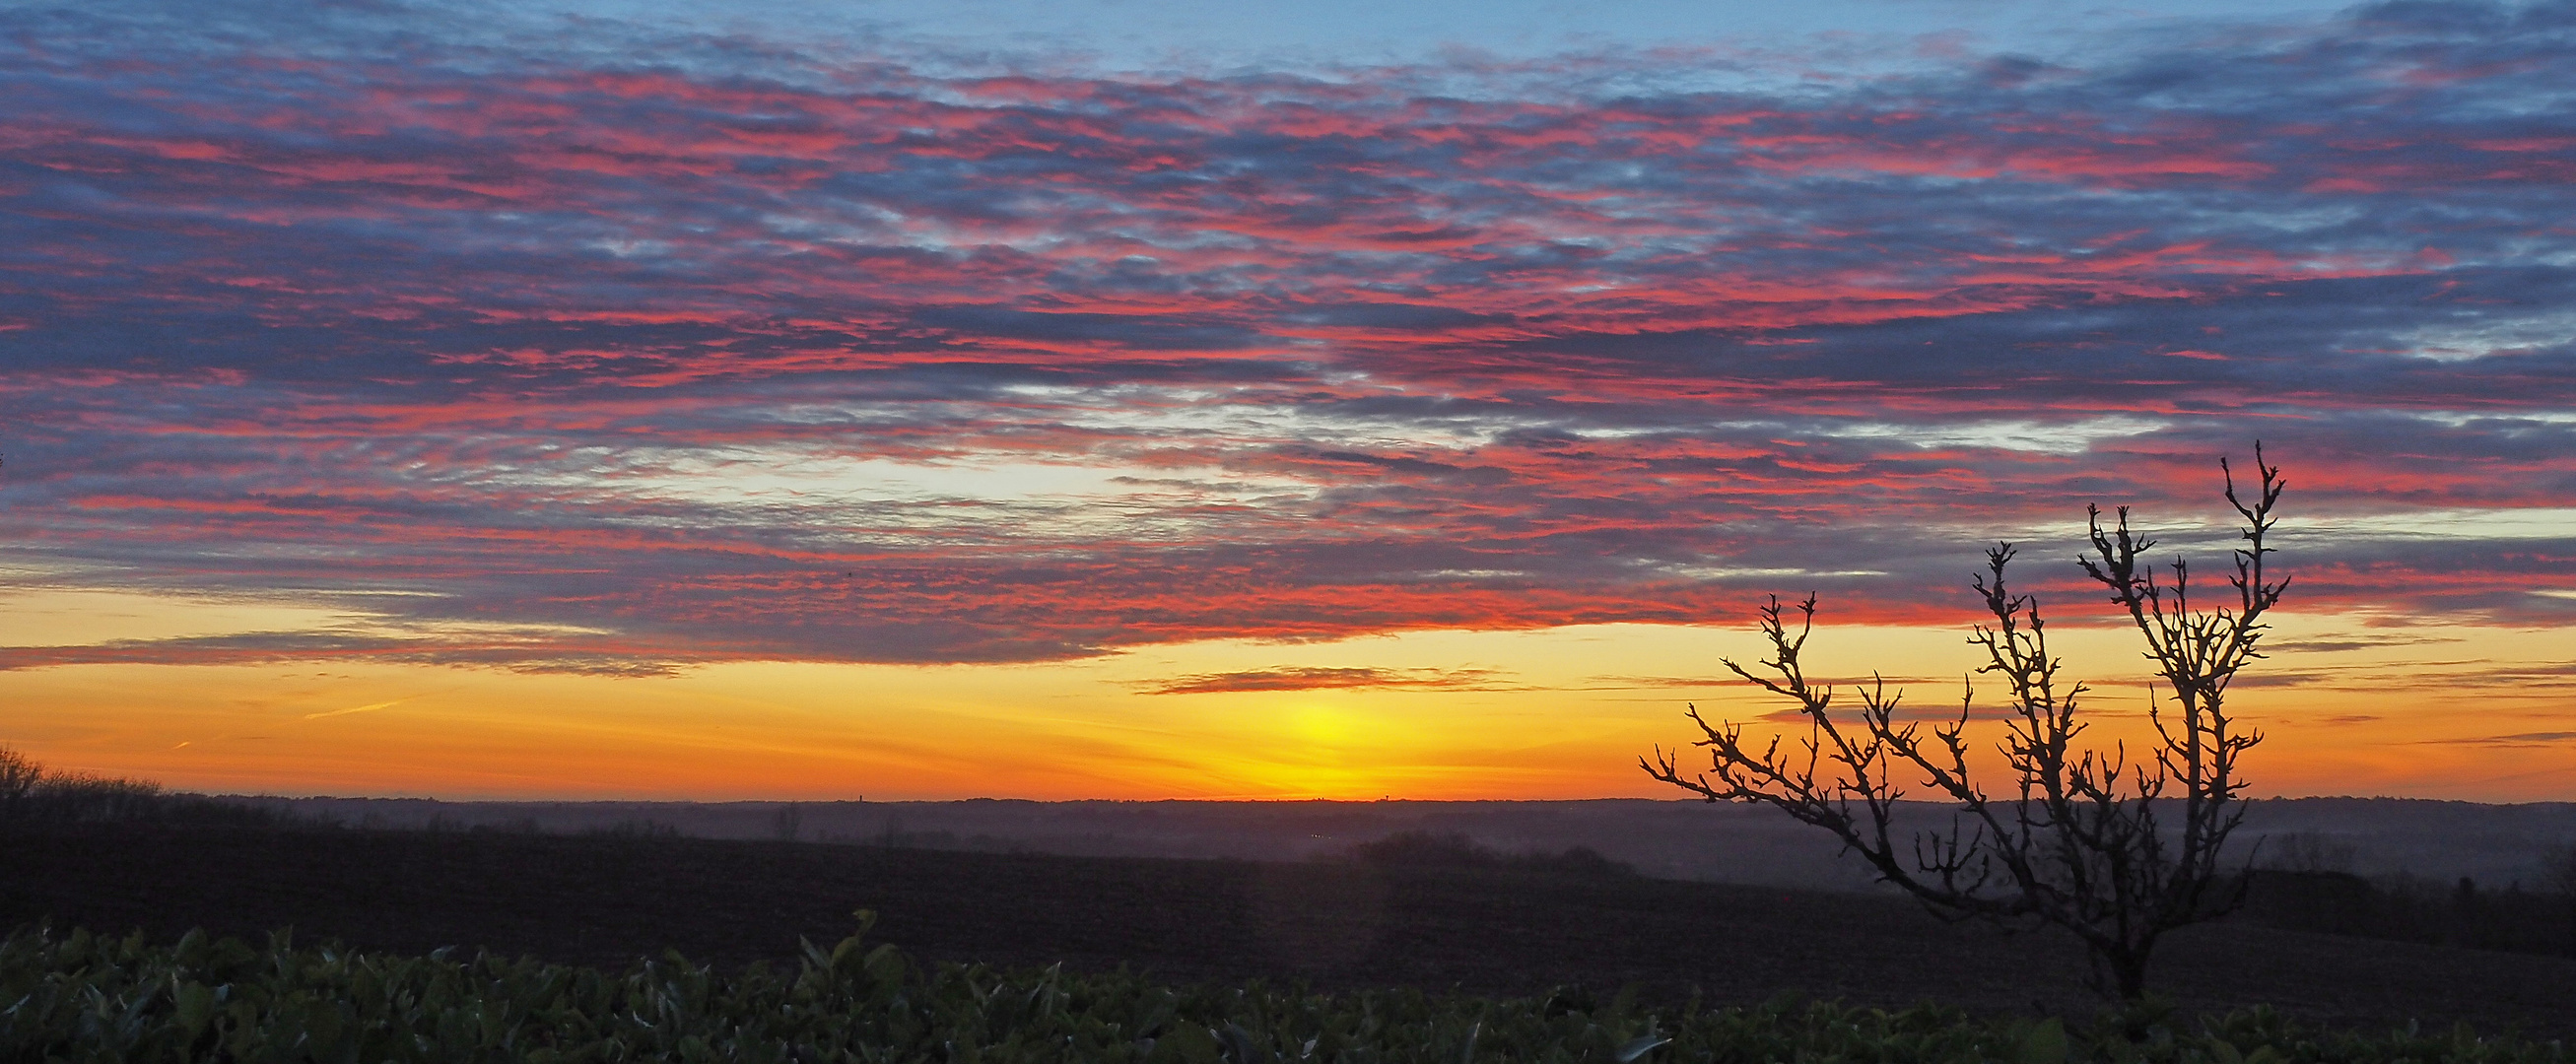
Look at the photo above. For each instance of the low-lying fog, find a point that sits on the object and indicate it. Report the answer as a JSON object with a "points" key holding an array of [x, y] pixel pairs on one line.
{"points": [[2497, 845]]}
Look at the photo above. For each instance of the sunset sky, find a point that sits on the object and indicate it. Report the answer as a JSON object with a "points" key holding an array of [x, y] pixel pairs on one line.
{"points": [[1146, 399]]}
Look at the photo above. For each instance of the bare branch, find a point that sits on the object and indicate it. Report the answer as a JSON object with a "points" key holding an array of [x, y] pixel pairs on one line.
{"points": [[2085, 841]]}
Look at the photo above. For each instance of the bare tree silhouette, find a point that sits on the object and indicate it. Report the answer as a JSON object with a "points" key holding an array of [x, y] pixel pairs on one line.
{"points": [[19, 775], [2083, 842]]}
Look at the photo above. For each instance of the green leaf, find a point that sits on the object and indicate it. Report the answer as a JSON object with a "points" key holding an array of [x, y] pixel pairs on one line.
{"points": [[323, 1021], [1188, 1043], [1638, 1047], [1243, 1047], [2045, 1043], [196, 1007], [884, 964]]}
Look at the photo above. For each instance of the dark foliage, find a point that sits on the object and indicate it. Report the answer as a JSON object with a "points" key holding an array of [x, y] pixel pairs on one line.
{"points": [[2513, 919], [1425, 849], [84, 998], [32, 794], [1348, 925]]}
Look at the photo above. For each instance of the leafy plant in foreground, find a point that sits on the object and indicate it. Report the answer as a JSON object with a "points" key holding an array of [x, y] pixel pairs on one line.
{"points": [[86, 998]]}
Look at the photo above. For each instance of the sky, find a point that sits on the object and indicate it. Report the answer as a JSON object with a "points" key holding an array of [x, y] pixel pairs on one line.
{"points": [[1116, 399]]}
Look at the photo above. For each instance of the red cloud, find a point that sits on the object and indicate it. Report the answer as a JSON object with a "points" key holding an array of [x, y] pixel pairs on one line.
{"points": [[1292, 678], [862, 361]]}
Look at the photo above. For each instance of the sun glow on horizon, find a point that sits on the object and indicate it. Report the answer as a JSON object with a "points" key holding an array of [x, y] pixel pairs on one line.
{"points": [[1553, 713]]}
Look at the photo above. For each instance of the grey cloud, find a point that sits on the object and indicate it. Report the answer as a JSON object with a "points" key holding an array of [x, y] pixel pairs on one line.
{"points": [[1651, 352], [2518, 739]]}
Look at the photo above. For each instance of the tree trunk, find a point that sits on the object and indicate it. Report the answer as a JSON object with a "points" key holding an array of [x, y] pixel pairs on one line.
{"points": [[2125, 968]]}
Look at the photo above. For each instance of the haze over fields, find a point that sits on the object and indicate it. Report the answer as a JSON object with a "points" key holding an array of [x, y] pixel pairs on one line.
{"points": [[2385, 840], [612, 399]]}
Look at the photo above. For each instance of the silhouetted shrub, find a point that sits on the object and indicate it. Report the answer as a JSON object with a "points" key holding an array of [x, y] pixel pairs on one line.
{"points": [[1579, 861], [31, 794], [634, 828], [2407, 909], [19, 775], [1424, 849], [2558, 879]]}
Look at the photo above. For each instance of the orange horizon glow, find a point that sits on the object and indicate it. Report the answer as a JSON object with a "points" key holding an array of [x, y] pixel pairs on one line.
{"points": [[1549, 714]]}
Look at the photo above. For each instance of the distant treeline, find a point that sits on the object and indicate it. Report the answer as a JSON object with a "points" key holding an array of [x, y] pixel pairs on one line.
{"points": [[2540, 918], [1424, 849], [2306, 887], [31, 794]]}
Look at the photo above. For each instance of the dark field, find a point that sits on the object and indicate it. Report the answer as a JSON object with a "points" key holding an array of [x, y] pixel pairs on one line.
{"points": [[608, 900]]}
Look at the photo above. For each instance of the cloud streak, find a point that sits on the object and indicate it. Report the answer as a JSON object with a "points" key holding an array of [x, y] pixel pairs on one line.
{"points": [[1297, 678], [709, 349]]}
